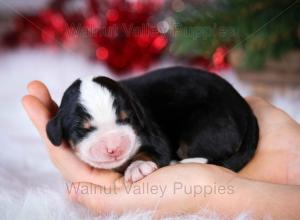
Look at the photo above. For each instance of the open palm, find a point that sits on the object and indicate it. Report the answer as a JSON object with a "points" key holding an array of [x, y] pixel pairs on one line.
{"points": [[275, 159]]}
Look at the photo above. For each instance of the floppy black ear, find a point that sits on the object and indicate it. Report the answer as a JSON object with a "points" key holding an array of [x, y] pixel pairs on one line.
{"points": [[54, 130]]}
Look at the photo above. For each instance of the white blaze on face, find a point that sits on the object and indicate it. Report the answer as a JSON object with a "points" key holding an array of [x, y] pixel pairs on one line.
{"points": [[98, 101], [110, 144]]}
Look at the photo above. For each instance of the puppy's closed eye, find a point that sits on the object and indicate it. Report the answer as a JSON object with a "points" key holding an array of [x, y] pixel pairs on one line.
{"points": [[87, 124]]}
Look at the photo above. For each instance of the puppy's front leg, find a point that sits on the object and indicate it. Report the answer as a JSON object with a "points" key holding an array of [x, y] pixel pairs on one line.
{"points": [[142, 165]]}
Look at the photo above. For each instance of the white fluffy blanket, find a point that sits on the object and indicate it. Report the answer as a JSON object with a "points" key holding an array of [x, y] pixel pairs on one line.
{"points": [[30, 187]]}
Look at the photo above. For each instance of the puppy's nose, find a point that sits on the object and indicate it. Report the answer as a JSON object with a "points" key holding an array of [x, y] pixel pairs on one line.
{"points": [[116, 144], [116, 152], [112, 144]]}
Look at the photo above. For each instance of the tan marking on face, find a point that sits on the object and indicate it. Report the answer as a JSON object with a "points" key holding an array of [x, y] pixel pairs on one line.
{"points": [[87, 124], [123, 115], [142, 156]]}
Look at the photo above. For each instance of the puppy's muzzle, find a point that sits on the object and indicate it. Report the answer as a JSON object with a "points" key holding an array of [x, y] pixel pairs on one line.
{"points": [[111, 145]]}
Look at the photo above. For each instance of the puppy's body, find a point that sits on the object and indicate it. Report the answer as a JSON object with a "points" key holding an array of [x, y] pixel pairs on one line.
{"points": [[200, 114], [168, 114]]}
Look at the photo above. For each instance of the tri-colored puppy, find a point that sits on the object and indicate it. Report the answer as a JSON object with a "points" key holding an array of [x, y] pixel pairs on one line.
{"points": [[140, 124]]}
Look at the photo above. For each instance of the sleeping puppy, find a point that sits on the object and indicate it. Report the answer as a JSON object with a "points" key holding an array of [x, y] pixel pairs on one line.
{"points": [[137, 125]]}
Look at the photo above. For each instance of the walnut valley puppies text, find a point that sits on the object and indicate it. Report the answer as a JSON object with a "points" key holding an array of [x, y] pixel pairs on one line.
{"points": [[160, 190]]}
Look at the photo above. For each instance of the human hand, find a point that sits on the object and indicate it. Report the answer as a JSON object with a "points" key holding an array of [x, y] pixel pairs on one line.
{"points": [[40, 108], [277, 158], [272, 122]]}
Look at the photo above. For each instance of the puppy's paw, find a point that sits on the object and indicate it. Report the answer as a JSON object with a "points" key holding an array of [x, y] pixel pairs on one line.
{"points": [[138, 169]]}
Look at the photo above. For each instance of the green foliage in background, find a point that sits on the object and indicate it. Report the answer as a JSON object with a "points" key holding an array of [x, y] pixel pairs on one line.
{"points": [[261, 28]]}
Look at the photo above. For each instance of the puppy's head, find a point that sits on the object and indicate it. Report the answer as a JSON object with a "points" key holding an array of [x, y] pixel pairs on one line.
{"points": [[100, 121]]}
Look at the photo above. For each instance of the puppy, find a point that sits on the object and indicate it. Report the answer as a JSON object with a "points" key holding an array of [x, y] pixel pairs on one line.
{"points": [[140, 124]]}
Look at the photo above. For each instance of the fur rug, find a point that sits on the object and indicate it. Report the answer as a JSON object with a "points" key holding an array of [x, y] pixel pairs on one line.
{"points": [[30, 187]]}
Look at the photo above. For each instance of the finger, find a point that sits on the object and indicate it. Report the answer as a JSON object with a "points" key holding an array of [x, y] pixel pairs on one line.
{"points": [[267, 113], [39, 90], [37, 112], [62, 156], [257, 104], [262, 109]]}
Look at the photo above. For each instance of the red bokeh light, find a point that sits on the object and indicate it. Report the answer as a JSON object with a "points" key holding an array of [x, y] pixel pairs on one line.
{"points": [[160, 43], [92, 22], [112, 15], [102, 53]]}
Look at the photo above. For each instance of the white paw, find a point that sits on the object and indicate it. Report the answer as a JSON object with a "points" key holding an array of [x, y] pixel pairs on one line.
{"points": [[173, 162], [138, 170], [194, 160]]}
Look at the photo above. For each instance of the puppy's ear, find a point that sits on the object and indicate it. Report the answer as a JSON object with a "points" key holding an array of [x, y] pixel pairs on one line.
{"points": [[54, 130]]}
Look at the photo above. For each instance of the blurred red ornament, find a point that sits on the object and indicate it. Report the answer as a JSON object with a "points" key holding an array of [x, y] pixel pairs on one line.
{"points": [[132, 40], [219, 60], [120, 33], [159, 43], [48, 35], [92, 22], [201, 62], [112, 15], [102, 53]]}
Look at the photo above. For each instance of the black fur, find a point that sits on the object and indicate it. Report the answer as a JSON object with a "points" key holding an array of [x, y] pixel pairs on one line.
{"points": [[169, 108], [67, 124]]}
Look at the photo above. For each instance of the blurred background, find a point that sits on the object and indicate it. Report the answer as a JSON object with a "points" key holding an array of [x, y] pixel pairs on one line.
{"points": [[253, 44], [257, 40]]}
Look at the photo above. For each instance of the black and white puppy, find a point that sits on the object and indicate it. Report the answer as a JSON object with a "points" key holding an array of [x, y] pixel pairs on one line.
{"points": [[140, 124]]}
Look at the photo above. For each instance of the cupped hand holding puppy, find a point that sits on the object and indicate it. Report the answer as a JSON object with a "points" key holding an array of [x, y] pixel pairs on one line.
{"points": [[277, 160]]}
